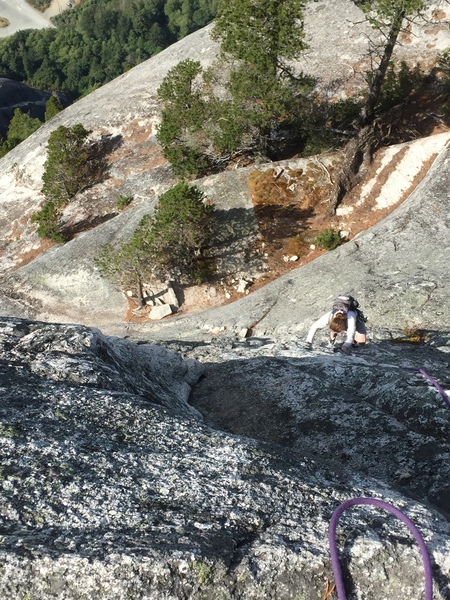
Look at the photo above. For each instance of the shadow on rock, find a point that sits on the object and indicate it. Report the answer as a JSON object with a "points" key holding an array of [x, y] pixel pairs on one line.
{"points": [[371, 413]]}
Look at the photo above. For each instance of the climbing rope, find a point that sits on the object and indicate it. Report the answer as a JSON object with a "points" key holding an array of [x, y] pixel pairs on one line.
{"points": [[439, 388], [337, 571], [437, 385]]}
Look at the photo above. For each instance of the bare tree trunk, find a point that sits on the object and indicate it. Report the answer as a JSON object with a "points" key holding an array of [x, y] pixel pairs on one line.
{"points": [[368, 111], [357, 154], [359, 151], [140, 296]]}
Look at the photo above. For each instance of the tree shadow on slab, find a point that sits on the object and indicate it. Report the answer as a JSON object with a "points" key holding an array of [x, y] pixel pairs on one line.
{"points": [[278, 222], [71, 231]]}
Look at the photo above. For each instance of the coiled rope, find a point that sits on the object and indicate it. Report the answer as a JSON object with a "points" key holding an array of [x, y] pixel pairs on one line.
{"points": [[337, 571]]}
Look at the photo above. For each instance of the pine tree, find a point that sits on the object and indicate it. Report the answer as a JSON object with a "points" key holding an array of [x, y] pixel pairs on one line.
{"points": [[169, 245], [20, 127], [263, 36], [67, 165], [180, 231], [52, 107]]}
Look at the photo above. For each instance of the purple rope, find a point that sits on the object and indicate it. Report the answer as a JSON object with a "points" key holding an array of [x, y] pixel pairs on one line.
{"points": [[337, 571], [439, 388], [441, 391]]}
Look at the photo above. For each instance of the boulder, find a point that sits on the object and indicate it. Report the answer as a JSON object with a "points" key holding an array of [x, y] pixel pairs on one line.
{"points": [[159, 312]]}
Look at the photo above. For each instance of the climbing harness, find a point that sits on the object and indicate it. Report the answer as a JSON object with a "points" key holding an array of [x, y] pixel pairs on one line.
{"points": [[337, 571]]}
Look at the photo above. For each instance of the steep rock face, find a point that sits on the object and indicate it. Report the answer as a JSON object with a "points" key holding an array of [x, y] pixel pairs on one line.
{"points": [[373, 412], [111, 486], [125, 114]]}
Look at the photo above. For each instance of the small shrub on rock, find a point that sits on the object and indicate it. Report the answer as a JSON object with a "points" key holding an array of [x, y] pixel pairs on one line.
{"points": [[72, 164], [47, 219], [328, 239], [123, 201]]}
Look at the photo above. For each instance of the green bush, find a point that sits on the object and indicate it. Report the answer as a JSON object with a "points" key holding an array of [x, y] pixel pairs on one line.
{"points": [[47, 219], [179, 233], [123, 201], [172, 244], [52, 107], [97, 41], [443, 65], [20, 127], [398, 85], [67, 166], [328, 239], [182, 131], [40, 4], [71, 165]]}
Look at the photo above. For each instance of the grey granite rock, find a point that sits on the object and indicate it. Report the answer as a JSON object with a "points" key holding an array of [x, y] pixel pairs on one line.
{"points": [[112, 487]]}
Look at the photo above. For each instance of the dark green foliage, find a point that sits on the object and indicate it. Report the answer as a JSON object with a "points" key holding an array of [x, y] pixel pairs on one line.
{"points": [[328, 239], [184, 119], [125, 266], [52, 107], [443, 66], [123, 201], [172, 244], [326, 125], [388, 17], [382, 12], [263, 37], [178, 86], [342, 113], [210, 117], [40, 4], [67, 167], [97, 41], [200, 132], [397, 86], [180, 231], [70, 166], [3, 147], [47, 219], [265, 34], [20, 127], [185, 16]]}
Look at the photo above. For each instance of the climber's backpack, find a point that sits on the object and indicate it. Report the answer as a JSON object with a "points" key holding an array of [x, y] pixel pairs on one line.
{"points": [[344, 303]]}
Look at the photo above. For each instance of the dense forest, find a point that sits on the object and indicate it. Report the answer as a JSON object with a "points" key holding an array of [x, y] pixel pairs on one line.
{"points": [[97, 41]]}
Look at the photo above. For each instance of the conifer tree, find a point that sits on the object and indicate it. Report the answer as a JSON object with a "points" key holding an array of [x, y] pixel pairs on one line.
{"points": [[171, 244], [263, 36], [67, 165], [20, 127], [68, 169], [52, 107]]}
